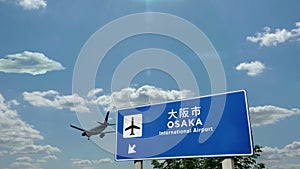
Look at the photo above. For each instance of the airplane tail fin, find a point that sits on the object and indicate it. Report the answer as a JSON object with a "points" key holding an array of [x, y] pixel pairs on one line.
{"points": [[106, 117]]}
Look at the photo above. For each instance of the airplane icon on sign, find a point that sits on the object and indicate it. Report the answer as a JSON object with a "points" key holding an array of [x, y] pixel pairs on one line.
{"points": [[132, 127]]}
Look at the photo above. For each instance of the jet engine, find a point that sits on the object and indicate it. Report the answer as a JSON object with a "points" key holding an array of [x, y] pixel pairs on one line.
{"points": [[84, 134], [102, 135]]}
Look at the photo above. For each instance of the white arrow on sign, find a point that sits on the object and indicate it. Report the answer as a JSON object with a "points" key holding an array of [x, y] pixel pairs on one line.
{"points": [[131, 149]]}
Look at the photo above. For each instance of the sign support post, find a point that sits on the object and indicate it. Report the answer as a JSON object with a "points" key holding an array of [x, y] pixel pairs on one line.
{"points": [[228, 163], [138, 164]]}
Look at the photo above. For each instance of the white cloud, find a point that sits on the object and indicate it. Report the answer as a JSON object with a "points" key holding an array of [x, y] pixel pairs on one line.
{"points": [[34, 149], [90, 163], [29, 162], [24, 165], [28, 159], [102, 160], [268, 38], [92, 93], [28, 62], [146, 94], [74, 102], [286, 166], [32, 4], [265, 115], [52, 98], [253, 68], [81, 163], [274, 156], [14, 131], [3, 152], [40, 99], [124, 98], [46, 158], [128, 97], [17, 138], [28, 4]]}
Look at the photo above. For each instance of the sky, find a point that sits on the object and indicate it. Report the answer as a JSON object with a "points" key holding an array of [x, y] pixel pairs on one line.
{"points": [[68, 62]]}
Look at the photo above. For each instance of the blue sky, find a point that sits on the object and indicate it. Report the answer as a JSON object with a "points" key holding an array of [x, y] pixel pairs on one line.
{"points": [[42, 46]]}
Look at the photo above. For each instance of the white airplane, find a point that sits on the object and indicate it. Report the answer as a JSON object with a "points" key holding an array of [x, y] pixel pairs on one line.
{"points": [[96, 130]]}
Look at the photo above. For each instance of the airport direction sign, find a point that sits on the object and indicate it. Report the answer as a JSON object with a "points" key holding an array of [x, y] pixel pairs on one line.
{"points": [[210, 126]]}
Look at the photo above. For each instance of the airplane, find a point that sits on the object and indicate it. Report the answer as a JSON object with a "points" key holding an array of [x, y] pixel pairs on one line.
{"points": [[132, 126], [96, 130]]}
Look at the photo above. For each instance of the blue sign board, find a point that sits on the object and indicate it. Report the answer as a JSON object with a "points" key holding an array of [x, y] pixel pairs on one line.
{"points": [[210, 126]]}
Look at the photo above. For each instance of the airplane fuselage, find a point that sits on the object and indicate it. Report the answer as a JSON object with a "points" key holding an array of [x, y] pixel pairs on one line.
{"points": [[96, 130]]}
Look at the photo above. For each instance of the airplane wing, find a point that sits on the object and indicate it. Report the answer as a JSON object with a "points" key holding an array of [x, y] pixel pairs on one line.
{"points": [[132, 126], [77, 128], [127, 128], [109, 132], [136, 127]]}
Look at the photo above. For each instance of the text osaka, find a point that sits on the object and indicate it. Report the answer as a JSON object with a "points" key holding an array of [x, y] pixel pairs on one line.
{"points": [[184, 117]]}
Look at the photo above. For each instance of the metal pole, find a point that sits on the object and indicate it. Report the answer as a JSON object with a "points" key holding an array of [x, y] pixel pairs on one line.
{"points": [[138, 164], [228, 163]]}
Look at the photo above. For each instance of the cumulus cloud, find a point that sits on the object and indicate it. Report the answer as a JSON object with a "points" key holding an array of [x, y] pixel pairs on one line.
{"points": [[253, 68], [3, 152], [32, 4], [102, 160], [28, 159], [17, 138], [90, 163], [273, 156], [28, 4], [146, 94], [34, 149], [120, 99], [46, 158], [29, 162], [286, 166], [24, 164], [81, 163], [14, 131], [34, 63], [267, 38], [128, 97], [53, 99], [92, 93], [265, 115]]}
